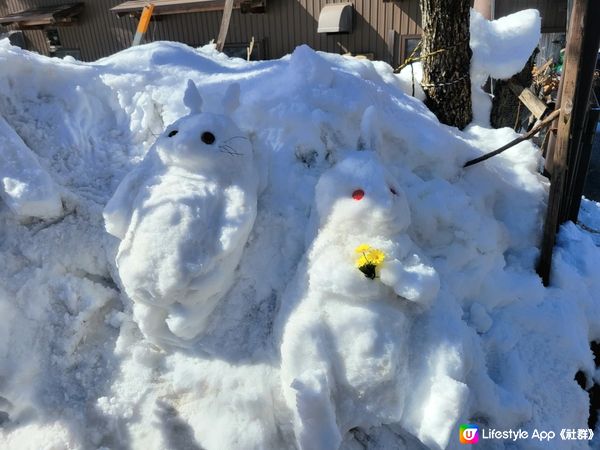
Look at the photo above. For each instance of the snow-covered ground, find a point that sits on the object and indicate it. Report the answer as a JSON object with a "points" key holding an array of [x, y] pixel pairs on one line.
{"points": [[105, 340]]}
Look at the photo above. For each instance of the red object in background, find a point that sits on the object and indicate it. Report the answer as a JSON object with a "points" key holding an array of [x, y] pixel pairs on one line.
{"points": [[358, 194]]}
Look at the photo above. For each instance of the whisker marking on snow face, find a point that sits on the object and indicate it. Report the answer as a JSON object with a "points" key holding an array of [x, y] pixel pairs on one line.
{"points": [[235, 137], [231, 149], [228, 149]]}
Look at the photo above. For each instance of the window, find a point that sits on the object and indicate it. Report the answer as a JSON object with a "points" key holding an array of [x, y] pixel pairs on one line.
{"points": [[408, 44]]}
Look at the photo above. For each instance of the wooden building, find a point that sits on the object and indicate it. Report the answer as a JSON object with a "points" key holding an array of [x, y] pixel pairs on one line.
{"points": [[384, 29]]}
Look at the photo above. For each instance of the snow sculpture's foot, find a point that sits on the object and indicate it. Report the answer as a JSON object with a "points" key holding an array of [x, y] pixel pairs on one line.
{"points": [[315, 421]]}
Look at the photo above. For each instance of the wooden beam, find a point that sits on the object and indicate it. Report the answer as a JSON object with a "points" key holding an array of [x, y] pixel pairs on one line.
{"points": [[574, 89], [227, 9], [537, 107], [44, 15], [169, 7]]}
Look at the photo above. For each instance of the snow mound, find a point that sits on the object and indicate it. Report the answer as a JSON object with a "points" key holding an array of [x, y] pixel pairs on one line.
{"points": [[451, 325]]}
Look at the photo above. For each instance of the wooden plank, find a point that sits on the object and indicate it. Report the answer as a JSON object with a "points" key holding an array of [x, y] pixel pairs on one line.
{"points": [[564, 139], [164, 7], [390, 45], [227, 9], [537, 107], [44, 15]]}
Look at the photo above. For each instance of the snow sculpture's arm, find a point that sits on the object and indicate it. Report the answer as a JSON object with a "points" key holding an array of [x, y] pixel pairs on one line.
{"points": [[412, 279], [238, 220], [118, 210]]}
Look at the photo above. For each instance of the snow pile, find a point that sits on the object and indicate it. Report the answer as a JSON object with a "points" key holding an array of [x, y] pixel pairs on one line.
{"points": [[113, 342]]}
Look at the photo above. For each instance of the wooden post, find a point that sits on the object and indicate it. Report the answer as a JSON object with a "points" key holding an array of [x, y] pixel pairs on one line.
{"points": [[484, 7], [227, 10], [575, 90], [143, 25], [548, 166], [579, 159], [390, 44]]}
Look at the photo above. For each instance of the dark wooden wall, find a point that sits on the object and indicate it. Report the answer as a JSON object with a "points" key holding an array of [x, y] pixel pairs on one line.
{"points": [[285, 25], [554, 12]]}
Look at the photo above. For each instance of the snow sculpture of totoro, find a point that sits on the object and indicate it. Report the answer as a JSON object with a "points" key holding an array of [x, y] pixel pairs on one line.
{"points": [[345, 335], [184, 215]]}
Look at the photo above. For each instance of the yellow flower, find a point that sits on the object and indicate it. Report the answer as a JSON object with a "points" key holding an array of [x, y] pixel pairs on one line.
{"points": [[362, 248], [369, 260], [362, 261], [376, 256]]}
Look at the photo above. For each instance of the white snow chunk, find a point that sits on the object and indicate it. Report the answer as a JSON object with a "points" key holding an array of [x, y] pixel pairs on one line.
{"points": [[26, 187], [502, 47]]}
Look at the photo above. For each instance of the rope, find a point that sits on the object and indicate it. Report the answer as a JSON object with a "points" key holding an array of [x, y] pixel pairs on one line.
{"points": [[412, 59], [449, 83]]}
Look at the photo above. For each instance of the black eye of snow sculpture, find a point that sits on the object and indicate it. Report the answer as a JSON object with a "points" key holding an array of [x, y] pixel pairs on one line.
{"points": [[172, 133], [208, 138]]}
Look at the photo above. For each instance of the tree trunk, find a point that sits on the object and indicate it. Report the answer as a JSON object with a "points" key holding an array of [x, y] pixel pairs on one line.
{"points": [[446, 58], [505, 104]]}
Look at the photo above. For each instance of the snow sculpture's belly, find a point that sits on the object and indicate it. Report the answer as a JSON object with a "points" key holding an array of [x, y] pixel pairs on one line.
{"points": [[170, 240], [370, 346]]}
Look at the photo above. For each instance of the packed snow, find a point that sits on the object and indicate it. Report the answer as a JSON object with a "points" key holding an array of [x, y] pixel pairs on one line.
{"points": [[183, 216], [182, 238]]}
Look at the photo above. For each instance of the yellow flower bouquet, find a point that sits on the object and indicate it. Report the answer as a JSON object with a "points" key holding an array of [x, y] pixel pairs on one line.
{"points": [[369, 260]]}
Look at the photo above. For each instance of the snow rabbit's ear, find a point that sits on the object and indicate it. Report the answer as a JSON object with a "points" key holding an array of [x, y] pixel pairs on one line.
{"points": [[369, 130], [231, 100], [192, 98]]}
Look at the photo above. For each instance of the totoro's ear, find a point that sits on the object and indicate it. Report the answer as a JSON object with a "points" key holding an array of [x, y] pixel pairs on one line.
{"points": [[192, 98], [231, 100]]}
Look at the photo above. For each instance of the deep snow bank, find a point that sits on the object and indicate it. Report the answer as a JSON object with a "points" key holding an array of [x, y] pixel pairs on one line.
{"points": [[492, 346]]}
